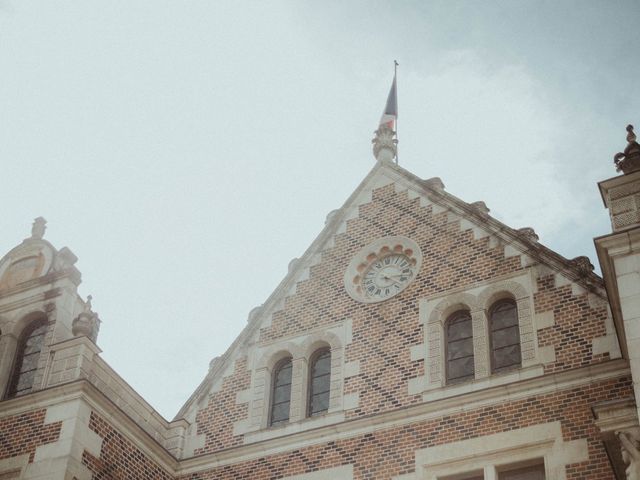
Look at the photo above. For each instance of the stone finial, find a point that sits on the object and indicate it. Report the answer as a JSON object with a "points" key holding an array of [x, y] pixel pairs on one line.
{"points": [[213, 363], [435, 183], [38, 228], [528, 233], [629, 160], [584, 266], [254, 313], [384, 145], [481, 208], [86, 323]]}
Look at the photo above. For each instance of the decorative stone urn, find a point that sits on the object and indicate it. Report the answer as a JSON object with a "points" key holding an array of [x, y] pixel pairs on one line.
{"points": [[86, 323], [629, 160], [384, 145]]}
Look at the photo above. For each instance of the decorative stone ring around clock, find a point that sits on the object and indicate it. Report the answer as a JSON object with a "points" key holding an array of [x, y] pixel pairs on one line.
{"points": [[382, 269]]}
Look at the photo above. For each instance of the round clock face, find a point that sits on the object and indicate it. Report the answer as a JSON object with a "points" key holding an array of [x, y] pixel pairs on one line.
{"points": [[387, 276], [382, 269]]}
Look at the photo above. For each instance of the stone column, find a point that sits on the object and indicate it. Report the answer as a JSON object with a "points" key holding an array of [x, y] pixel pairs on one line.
{"points": [[8, 346]]}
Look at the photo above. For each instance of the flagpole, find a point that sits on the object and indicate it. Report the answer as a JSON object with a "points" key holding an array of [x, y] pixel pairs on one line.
{"points": [[395, 73]]}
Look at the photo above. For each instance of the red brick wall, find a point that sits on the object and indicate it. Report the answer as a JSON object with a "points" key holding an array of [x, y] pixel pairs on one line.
{"points": [[576, 325], [216, 420], [387, 453], [21, 434], [384, 332], [119, 458]]}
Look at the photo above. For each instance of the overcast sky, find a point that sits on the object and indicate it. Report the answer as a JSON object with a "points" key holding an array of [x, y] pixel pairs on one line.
{"points": [[186, 151]]}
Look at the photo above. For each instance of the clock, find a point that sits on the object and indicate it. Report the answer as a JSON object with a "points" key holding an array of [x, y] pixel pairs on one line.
{"points": [[382, 269]]}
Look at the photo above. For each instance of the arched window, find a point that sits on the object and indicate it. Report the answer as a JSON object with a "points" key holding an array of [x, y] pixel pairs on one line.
{"points": [[459, 335], [319, 382], [27, 356], [504, 336], [281, 392]]}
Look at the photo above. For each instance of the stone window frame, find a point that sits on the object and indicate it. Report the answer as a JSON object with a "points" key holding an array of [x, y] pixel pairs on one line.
{"points": [[12, 333], [494, 453], [301, 355], [478, 305]]}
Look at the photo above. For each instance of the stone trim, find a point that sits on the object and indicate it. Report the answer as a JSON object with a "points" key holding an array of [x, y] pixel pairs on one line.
{"points": [[435, 311], [300, 349], [344, 472], [542, 443], [63, 458], [13, 467]]}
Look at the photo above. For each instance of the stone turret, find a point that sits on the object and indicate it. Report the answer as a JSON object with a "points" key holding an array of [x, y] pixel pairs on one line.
{"points": [[619, 256]]}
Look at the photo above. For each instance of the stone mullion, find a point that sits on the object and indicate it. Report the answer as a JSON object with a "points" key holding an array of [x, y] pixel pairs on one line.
{"points": [[299, 376], [482, 362]]}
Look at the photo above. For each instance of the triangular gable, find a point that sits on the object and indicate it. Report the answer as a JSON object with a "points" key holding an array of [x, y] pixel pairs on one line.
{"points": [[431, 192]]}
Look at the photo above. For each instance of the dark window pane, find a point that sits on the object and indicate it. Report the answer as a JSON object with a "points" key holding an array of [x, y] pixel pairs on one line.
{"points": [[528, 473], [281, 392], [319, 403], [283, 375], [319, 383], [462, 367], [506, 357], [35, 341], [505, 336], [460, 327], [322, 365], [30, 362], [459, 338], [27, 357], [503, 315], [460, 348], [280, 413], [25, 382]]}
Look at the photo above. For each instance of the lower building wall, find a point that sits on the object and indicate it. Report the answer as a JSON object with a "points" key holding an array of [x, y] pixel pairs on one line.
{"points": [[73, 440], [397, 451], [119, 458]]}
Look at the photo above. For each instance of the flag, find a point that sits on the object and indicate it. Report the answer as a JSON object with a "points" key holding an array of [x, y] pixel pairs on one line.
{"points": [[390, 113]]}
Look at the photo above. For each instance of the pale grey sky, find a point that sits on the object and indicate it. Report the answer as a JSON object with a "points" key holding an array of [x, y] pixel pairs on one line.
{"points": [[186, 151]]}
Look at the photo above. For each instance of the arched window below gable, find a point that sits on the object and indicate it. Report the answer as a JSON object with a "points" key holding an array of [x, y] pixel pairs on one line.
{"points": [[27, 357], [281, 392], [459, 345], [504, 333], [319, 382]]}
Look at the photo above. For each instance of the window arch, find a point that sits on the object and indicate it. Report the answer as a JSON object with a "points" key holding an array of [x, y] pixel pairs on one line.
{"points": [[27, 356], [319, 382], [459, 347], [281, 392], [504, 336]]}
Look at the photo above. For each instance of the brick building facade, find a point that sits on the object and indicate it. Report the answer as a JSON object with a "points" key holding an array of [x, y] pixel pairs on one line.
{"points": [[416, 338]]}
